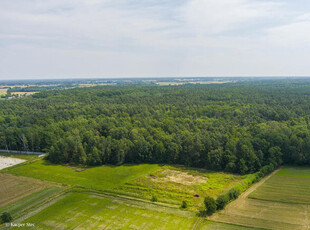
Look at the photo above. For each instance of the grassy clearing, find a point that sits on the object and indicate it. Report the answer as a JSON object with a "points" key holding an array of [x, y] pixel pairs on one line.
{"points": [[290, 184], [169, 184], [13, 188], [86, 211], [101, 178], [174, 184]]}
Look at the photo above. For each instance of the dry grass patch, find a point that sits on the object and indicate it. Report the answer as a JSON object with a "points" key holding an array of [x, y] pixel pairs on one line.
{"points": [[185, 178], [13, 188]]}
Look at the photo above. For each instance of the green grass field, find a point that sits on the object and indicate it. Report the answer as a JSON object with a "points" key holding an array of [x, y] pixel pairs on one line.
{"points": [[101, 178], [290, 184], [170, 184], [89, 211], [175, 184]]}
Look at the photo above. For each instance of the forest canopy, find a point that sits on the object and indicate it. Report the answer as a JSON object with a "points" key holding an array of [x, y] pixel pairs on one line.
{"points": [[236, 127]]}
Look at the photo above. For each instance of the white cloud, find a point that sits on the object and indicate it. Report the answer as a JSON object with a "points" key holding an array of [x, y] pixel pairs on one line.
{"points": [[153, 38]]}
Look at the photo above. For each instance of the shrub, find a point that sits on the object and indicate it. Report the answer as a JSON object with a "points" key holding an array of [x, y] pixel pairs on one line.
{"points": [[6, 217], [222, 201], [184, 204], [154, 199], [210, 205], [233, 194]]}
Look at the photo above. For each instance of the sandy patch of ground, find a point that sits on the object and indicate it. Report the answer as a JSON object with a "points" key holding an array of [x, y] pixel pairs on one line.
{"points": [[180, 177], [6, 162]]}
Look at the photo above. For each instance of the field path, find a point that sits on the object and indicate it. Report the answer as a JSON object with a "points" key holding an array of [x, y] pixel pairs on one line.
{"points": [[241, 200], [255, 186]]}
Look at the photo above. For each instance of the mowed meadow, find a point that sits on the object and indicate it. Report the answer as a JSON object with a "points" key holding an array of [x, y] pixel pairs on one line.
{"points": [[281, 202], [93, 211], [170, 184]]}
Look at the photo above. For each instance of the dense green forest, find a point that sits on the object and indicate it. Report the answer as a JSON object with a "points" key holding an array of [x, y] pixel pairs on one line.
{"points": [[236, 127]]}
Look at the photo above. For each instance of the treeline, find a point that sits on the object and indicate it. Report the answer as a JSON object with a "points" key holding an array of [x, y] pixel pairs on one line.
{"points": [[237, 127]]}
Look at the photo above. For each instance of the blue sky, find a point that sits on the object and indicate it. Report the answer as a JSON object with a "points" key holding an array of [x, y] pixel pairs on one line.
{"points": [[150, 38]]}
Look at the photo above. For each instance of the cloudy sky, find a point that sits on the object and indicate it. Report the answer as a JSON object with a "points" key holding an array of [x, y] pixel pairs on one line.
{"points": [[149, 38]]}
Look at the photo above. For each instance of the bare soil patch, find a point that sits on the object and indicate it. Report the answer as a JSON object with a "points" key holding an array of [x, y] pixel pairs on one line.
{"points": [[176, 176], [6, 162]]}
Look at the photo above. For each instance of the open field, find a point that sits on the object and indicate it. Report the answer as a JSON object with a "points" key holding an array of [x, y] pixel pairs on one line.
{"points": [[86, 211], [101, 178], [3, 91], [275, 206], [23, 93], [170, 184], [13, 188], [89, 211], [265, 214], [291, 184], [174, 184], [192, 82]]}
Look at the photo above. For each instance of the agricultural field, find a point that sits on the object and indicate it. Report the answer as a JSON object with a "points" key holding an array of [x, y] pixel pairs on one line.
{"points": [[23, 93], [91, 211], [24, 205], [13, 188], [170, 184], [87, 211], [2, 91], [280, 202], [291, 184], [175, 184]]}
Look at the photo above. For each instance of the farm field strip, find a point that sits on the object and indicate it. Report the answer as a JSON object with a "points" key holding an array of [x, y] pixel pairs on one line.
{"points": [[23, 205], [89, 211], [274, 204], [13, 188], [294, 188], [265, 214], [86, 211]]}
